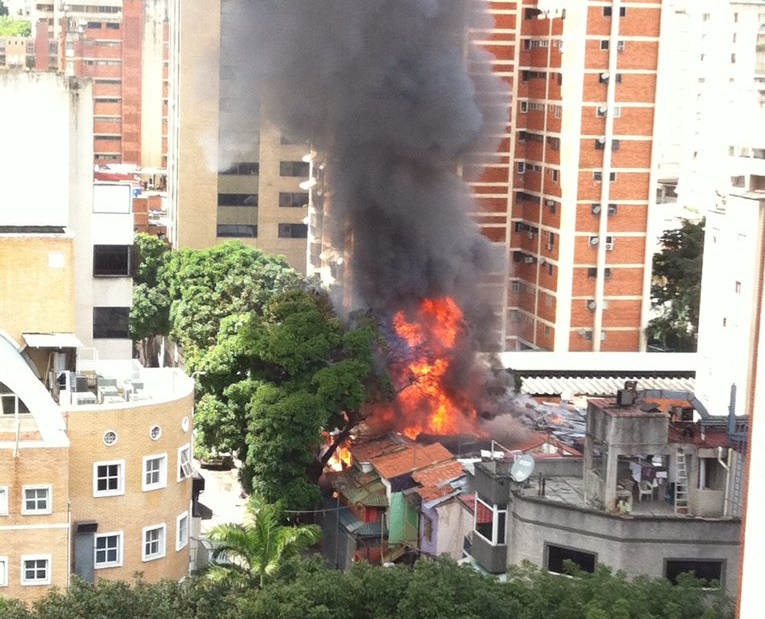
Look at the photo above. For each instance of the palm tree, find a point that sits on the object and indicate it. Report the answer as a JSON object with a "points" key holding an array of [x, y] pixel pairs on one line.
{"points": [[253, 552]]}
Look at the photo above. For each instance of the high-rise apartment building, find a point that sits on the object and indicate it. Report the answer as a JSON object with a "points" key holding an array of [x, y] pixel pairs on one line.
{"points": [[570, 192], [235, 174], [123, 46]]}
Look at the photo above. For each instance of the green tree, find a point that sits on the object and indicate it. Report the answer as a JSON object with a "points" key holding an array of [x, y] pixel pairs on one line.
{"points": [[256, 550], [207, 285], [12, 27], [676, 288], [275, 382], [150, 312]]}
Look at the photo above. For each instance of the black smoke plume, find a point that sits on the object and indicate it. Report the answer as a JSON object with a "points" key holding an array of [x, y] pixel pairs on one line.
{"points": [[401, 103]]}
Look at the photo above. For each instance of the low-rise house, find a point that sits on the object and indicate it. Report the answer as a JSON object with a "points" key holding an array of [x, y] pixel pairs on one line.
{"points": [[656, 493]]}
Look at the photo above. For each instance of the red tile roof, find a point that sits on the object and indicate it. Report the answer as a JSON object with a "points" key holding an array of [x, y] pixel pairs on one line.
{"points": [[411, 458], [431, 493], [439, 474], [364, 452]]}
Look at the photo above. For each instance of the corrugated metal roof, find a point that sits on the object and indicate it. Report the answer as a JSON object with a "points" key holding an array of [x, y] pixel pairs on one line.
{"points": [[599, 385], [359, 527]]}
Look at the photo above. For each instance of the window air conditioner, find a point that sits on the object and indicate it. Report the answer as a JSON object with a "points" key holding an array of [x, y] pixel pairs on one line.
{"points": [[594, 240], [591, 305], [528, 260], [610, 246]]}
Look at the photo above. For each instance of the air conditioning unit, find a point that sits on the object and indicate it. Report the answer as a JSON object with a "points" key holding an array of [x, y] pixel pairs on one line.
{"points": [[542, 260], [604, 76], [610, 246], [528, 260], [550, 202], [601, 140], [531, 234], [602, 110], [591, 305], [594, 240], [595, 209]]}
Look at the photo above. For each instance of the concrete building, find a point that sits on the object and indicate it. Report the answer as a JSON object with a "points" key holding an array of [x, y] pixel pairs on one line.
{"points": [[123, 46], [95, 450], [653, 495], [232, 179]]}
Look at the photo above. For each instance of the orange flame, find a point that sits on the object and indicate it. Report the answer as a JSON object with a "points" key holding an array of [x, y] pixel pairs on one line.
{"points": [[341, 459], [424, 402]]}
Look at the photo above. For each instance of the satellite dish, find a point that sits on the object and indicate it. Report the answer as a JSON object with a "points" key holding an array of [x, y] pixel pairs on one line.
{"points": [[522, 468]]}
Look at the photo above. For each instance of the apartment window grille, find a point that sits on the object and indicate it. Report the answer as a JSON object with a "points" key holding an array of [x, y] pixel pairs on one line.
{"points": [[111, 260], [523, 106], [521, 167]]}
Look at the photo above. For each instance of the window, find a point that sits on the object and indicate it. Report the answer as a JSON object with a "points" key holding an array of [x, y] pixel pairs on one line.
{"points": [[108, 478], [709, 570], [237, 199], [3, 500], [237, 230], [554, 142], [554, 174], [293, 168], [36, 500], [293, 231], [490, 521], [558, 555], [184, 463], [108, 550], [427, 529], [111, 260], [111, 323], [113, 25], [35, 569], [524, 107], [10, 403], [242, 168], [615, 144], [153, 543], [712, 475], [154, 472], [521, 167], [738, 287], [3, 571], [597, 177], [607, 11], [531, 13], [293, 200], [182, 527], [604, 44]]}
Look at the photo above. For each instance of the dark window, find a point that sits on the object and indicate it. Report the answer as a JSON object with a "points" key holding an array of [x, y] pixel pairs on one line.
{"points": [[111, 260], [293, 168], [604, 44], [111, 322], [293, 199], [607, 11], [242, 168], [558, 555], [531, 13], [615, 144], [113, 25], [237, 199], [293, 231], [705, 570], [94, 25], [237, 230], [600, 144]]}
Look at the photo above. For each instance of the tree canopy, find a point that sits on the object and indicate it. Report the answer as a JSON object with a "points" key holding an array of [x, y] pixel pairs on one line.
{"points": [[676, 288], [432, 590], [12, 27], [277, 381]]}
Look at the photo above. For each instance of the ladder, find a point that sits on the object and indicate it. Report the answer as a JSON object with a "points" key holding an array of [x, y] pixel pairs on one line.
{"points": [[737, 494], [681, 485]]}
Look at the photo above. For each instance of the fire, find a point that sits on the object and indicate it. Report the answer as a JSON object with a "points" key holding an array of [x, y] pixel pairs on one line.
{"points": [[425, 403], [341, 459]]}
